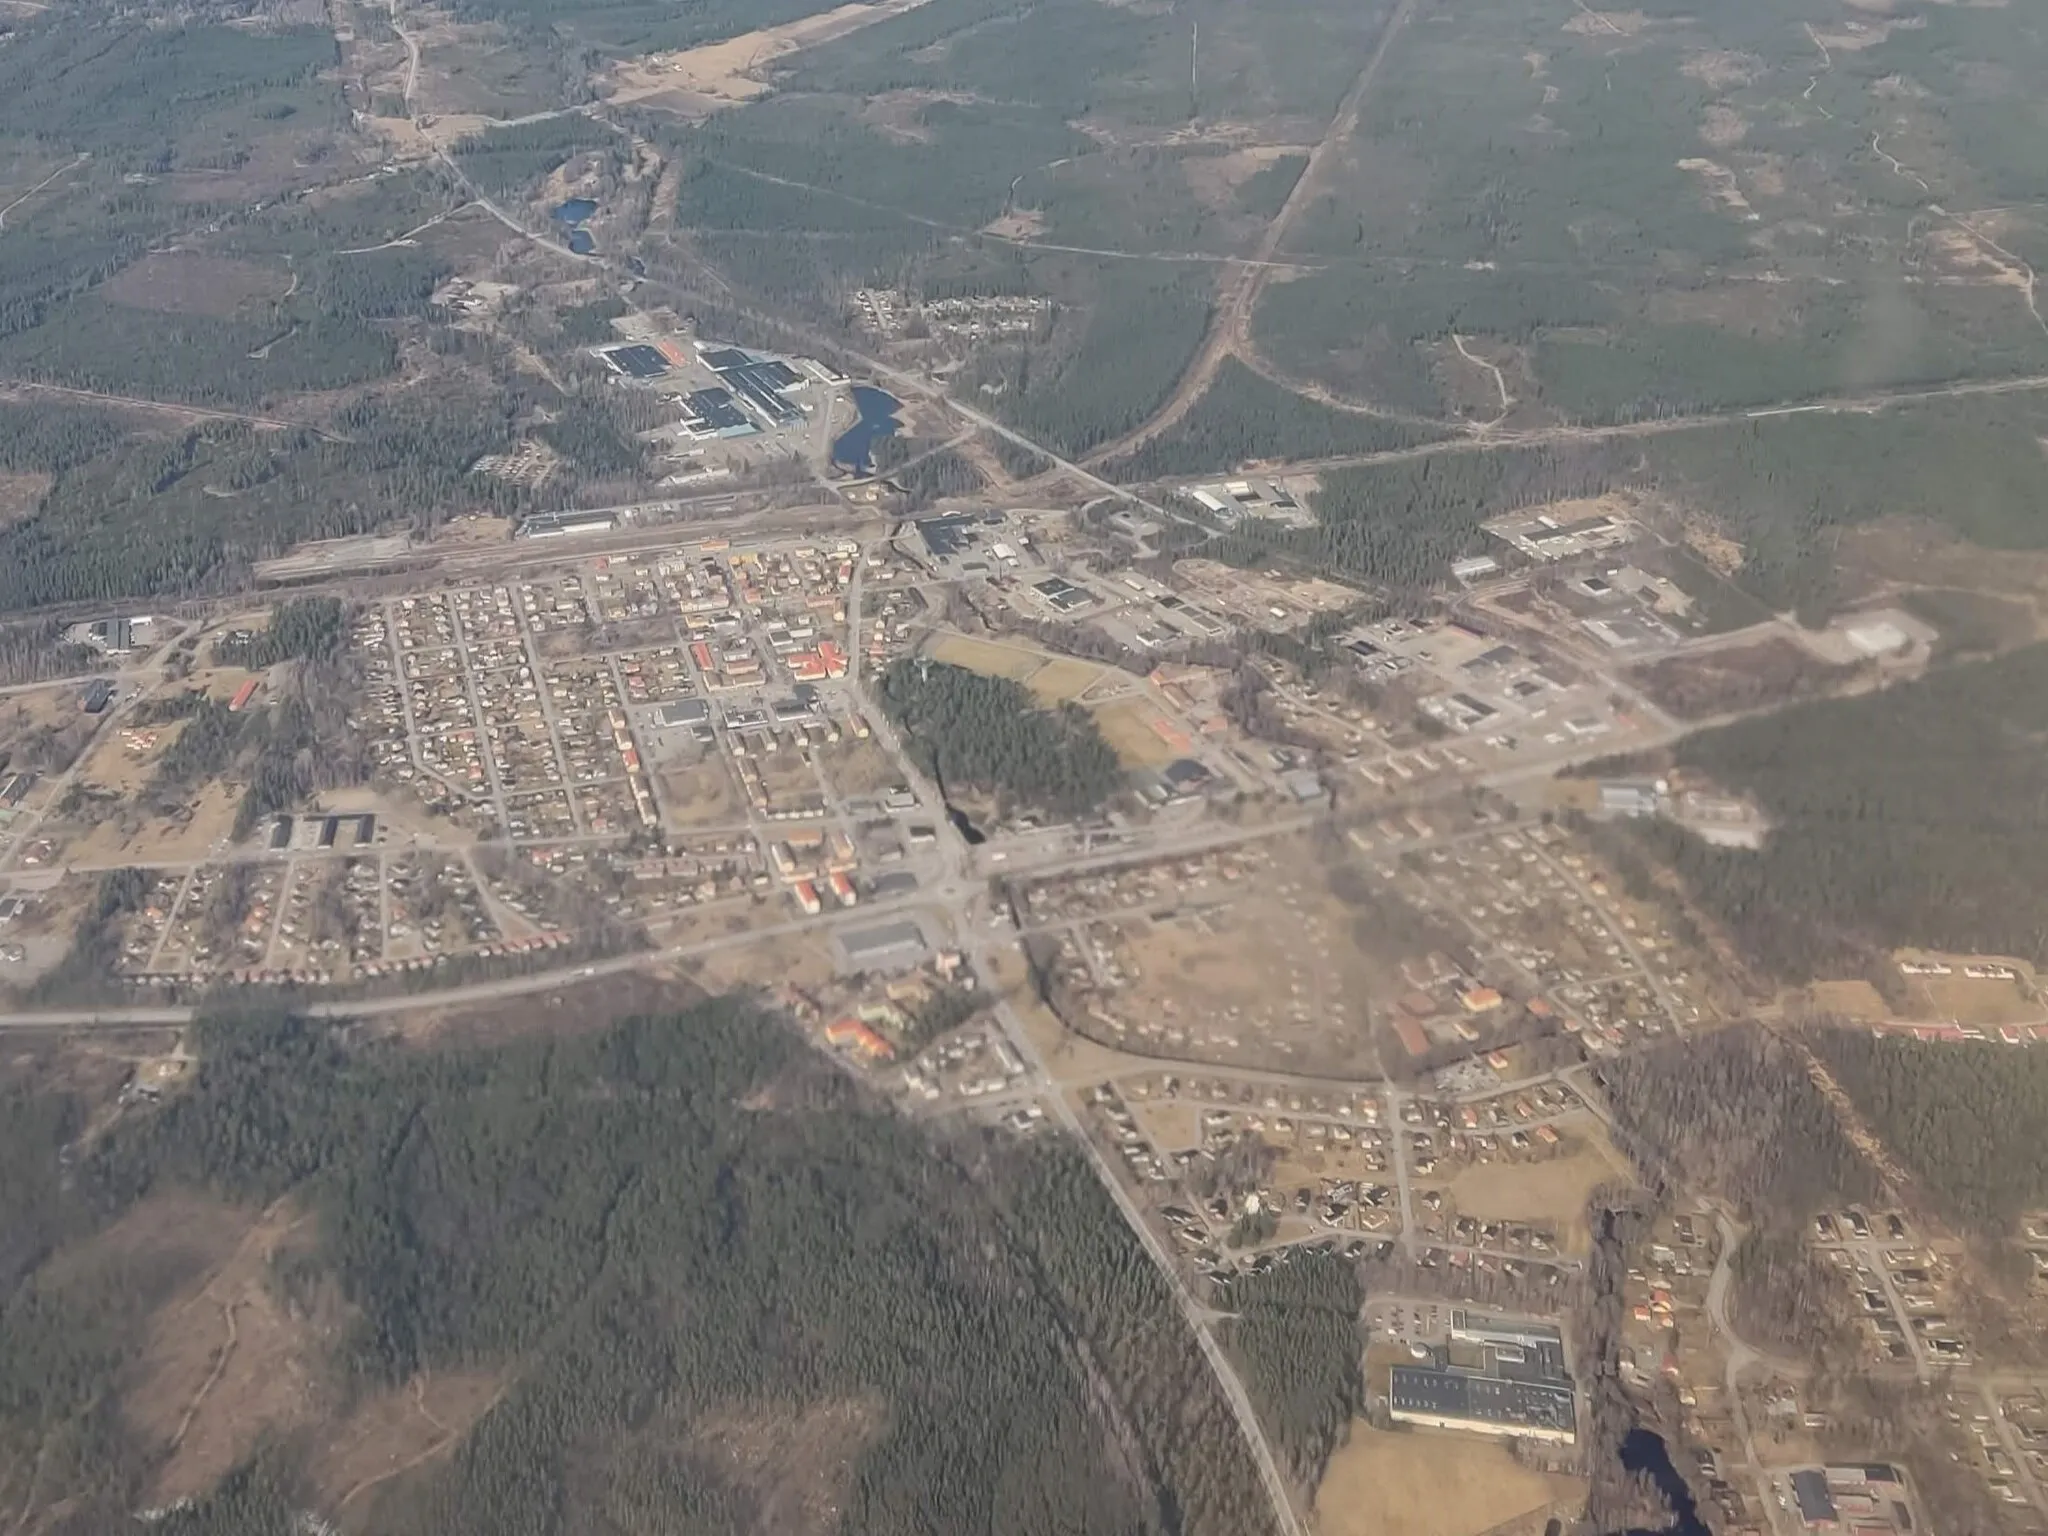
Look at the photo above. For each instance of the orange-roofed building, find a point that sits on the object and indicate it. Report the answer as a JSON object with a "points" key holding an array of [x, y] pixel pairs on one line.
{"points": [[852, 1035]]}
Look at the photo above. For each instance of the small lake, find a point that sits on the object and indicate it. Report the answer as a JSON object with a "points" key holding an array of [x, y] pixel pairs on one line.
{"points": [[580, 242], [1644, 1451], [575, 211], [855, 447]]}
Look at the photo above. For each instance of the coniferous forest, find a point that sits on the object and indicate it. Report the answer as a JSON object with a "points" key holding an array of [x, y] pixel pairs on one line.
{"points": [[648, 1234]]}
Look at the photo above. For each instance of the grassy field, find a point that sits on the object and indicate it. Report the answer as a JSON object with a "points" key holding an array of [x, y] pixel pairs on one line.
{"points": [[989, 658], [1131, 730], [1424, 1484], [1554, 1190]]}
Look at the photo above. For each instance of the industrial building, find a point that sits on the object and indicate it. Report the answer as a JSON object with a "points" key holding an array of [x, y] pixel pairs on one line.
{"points": [[637, 360], [1494, 1376], [758, 383], [555, 525]]}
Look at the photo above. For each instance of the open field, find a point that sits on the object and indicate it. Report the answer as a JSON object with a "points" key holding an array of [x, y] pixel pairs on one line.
{"points": [[1129, 728], [989, 658], [1555, 1190], [1383, 1483], [223, 1362], [182, 283], [699, 81], [1063, 679]]}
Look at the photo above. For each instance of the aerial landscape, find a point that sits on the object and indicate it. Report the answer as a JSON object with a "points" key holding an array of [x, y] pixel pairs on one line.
{"points": [[1190, 767]]}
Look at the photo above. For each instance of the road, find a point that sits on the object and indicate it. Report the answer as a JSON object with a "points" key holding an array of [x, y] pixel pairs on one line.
{"points": [[964, 894], [1496, 441], [1230, 325], [1741, 1356]]}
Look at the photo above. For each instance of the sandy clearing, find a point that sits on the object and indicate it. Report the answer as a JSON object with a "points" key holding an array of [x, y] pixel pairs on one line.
{"points": [[728, 73]]}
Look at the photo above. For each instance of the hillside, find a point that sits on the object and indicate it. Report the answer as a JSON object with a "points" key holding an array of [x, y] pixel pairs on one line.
{"points": [[670, 1276]]}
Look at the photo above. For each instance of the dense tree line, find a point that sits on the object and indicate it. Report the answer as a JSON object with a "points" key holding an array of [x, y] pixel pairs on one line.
{"points": [[507, 160], [586, 325], [1399, 526], [128, 90], [1963, 1118], [1787, 487], [1296, 1331], [1243, 417], [1914, 815], [192, 512], [382, 285], [1734, 1111], [938, 472], [300, 628], [1111, 361], [602, 1220], [988, 734]]}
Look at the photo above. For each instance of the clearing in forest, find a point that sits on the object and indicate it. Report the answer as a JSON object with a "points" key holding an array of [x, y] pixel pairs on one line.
{"points": [[700, 81]]}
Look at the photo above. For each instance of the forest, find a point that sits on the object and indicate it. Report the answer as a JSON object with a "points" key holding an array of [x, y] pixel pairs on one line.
{"points": [[989, 735], [1964, 1119], [652, 1230], [1915, 815], [1399, 526], [1297, 1337], [1734, 1113], [1243, 417]]}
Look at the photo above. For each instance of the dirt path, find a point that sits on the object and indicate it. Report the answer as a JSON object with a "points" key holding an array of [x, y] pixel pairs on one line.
{"points": [[193, 413], [1500, 383], [57, 174], [1230, 327]]}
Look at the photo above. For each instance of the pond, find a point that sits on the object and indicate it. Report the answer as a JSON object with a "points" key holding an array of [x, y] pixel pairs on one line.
{"points": [[1644, 1451], [576, 210], [580, 242], [855, 448]]}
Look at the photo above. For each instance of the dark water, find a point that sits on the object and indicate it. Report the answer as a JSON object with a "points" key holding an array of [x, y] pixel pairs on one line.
{"points": [[855, 449], [969, 832], [1645, 1451], [576, 210], [580, 242]]}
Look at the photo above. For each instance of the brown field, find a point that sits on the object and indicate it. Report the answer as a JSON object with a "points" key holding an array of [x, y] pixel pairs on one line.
{"points": [[114, 765], [699, 81], [395, 1431], [1267, 980], [795, 1471], [698, 794], [21, 494], [1737, 677], [1554, 1190], [182, 283], [223, 1362], [1062, 679], [1128, 728], [206, 828], [1172, 1126], [1383, 1483], [1966, 1000], [859, 767], [1850, 999], [782, 960], [989, 658], [1215, 178]]}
